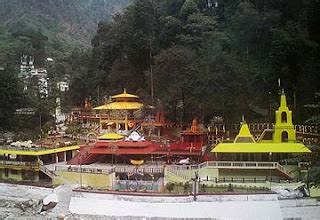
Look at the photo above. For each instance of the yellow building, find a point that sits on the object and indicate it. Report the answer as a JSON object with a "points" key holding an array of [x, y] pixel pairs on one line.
{"points": [[273, 144], [27, 164]]}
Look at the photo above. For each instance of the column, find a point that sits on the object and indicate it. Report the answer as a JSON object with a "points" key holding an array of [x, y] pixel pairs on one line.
{"points": [[126, 121], [64, 156], [56, 158]]}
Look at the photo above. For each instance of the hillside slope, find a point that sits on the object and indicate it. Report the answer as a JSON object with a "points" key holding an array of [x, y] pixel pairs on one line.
{"points": [[51, 26]]}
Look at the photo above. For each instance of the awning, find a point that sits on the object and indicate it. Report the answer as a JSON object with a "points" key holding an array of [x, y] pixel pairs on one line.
{"points": [[260, 148]]}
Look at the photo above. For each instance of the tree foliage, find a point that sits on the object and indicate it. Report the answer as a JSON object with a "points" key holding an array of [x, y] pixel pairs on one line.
{"points": [[209, 58], [10, 97]]}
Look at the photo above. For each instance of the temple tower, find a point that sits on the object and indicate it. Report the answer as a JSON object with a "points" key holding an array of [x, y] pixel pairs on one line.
{"points": [[284, 130]]}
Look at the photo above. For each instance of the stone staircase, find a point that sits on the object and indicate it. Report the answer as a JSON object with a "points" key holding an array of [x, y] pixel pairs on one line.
{"points": [[46, 171]]}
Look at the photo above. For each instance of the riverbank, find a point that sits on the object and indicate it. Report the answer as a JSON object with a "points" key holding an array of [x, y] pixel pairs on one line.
{"points": [[20, 201]]}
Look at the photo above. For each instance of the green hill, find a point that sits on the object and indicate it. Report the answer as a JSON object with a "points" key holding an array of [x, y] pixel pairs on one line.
{"points": [[50, 27]]}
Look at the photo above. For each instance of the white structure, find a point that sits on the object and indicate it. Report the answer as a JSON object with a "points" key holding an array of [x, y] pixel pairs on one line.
{"points": [[49, 59], [43, 87], [37, 78], [26, 66], [63, 86], [40, 73]]}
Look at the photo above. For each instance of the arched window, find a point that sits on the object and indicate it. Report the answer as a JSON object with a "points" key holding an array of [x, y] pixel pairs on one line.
{"points": [[284, 136], [284, 117]]}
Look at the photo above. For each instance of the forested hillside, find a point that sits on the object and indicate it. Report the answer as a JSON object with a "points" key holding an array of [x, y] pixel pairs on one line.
{"points": [[204, 58], [208, 57], [50, 27]]}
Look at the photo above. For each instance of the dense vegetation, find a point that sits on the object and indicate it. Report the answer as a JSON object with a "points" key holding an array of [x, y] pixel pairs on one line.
{"points": [[50, 27], [46, 28], [207, 57], [204, 58]]}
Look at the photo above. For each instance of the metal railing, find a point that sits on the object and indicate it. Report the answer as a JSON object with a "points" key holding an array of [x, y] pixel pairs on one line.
{"points": [[229, 165], [19, 163], [79, 169], [255, 127], [33, 148], [130, 169], [117, 169], [48, 172]]}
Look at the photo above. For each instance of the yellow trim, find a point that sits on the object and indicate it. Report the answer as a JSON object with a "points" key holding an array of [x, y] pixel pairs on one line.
{"points": [[260, 148], [40, 152]]}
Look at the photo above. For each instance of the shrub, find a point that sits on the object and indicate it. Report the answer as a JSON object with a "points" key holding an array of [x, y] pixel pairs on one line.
{"points": [[230, 188], [170, 187]]}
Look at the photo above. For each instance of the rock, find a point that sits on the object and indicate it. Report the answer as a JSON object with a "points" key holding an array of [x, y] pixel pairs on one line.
{"points": [[61, 216]]}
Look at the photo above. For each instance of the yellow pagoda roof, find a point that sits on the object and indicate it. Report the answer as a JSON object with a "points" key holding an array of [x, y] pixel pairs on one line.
{"points": [[124, 95], [120, 105], [110, 136], [260, 148]]}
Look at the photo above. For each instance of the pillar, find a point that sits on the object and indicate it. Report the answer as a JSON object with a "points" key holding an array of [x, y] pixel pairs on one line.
{"points": [[159, 133], [126, 121], [56, 158], [65, 156]]}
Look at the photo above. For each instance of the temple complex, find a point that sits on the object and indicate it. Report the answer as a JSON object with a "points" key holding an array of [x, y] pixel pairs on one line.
{"points": [[133, 142]]}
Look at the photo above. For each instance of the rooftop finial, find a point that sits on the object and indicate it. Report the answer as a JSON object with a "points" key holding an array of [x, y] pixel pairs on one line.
{"points": [[283, 101], [125, 90], [243, 120]]}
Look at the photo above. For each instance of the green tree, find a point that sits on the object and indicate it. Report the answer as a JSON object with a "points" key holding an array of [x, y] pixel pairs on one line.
{"points": [[11, 97]]}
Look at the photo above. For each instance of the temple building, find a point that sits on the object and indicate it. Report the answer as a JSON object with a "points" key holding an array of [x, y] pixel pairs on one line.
{"points": [[27, 163], [272, 145], [123, 113]]}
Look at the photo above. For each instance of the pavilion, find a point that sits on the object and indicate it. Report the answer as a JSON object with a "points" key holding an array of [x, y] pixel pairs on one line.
{"points": [[122, 113]]}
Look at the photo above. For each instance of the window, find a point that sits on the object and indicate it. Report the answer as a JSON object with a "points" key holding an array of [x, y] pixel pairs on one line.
{"points": [[284, 117], [284, 136], [14, 172]]}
